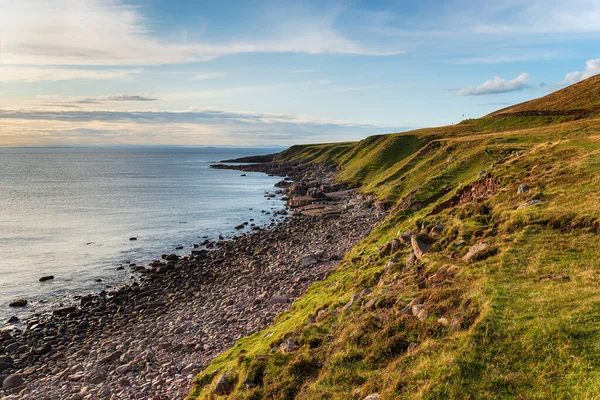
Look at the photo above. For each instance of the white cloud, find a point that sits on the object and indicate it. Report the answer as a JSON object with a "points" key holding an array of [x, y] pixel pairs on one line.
{"points": [[107, 32], [118, 97], [37, 74], [497, 85], [592, 67]]}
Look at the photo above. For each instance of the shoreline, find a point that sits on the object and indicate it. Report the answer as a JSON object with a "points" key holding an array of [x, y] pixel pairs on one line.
{"points": [[147, 338], [118, 269]]}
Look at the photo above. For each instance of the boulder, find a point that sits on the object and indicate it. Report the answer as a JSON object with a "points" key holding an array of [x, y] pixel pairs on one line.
{"points": [[172, 257], [533, 202], [222, 388], [18, 303], [419, 247], [46, 278], [411, 259], [351, 302], [188, 369], [437, 229], [373, 396], [475, 250], [278, 299], [114, 356], [371, 304], [412, 347], [288, 346], [390, 247], [522, 189], [420, 311], [12, 381], [307, 260], [96, 377], [405, 237], [64, 311]]}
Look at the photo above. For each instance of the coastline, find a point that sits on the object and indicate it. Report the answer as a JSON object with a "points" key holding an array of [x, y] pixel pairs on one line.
{"points": [[148, 340]]}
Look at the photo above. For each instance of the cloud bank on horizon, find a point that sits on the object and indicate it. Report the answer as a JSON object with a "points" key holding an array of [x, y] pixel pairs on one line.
{"points": [[134, 72]]}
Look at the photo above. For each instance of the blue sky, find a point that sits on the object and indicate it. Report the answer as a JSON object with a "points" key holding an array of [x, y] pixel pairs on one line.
{"points": [[110, 72]]}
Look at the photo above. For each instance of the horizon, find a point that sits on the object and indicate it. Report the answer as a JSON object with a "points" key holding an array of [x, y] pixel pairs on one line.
{"points": [[105, 73]]}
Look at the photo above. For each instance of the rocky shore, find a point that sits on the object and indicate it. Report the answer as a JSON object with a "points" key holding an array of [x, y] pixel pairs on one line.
{"points": [[148, 340]]}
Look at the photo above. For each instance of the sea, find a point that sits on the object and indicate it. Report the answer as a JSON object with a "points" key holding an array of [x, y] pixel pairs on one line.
{"points": [[70, 213]]}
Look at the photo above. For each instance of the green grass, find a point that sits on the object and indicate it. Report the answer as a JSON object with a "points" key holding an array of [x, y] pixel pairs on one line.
{"points": [[528, 310]]}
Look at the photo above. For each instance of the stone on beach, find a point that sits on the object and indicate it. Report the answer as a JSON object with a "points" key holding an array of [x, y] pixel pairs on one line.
{"points": [[12, 381], [18, 303]]}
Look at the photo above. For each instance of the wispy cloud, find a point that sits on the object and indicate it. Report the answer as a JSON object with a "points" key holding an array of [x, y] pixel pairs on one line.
{"points": [[118, 97], [497, 85], [540, 17], [196, 126], [502, 59], [40, 74], [108, 32]]}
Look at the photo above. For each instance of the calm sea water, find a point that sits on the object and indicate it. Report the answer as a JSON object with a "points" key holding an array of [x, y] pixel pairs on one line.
{"points": [[70, 213]]}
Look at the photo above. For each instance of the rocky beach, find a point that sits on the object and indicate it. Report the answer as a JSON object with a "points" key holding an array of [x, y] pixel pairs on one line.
{"points": [[147, 340]]}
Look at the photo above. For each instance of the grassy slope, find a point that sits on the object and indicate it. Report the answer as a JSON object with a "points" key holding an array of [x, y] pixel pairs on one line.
{"points": [[528, 312]]}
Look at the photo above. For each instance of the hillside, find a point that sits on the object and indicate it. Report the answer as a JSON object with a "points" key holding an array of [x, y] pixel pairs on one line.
{"points": [[481, 283], [581, 99]]}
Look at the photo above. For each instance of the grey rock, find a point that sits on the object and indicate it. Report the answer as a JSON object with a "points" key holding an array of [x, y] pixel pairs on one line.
{"points": [[114, 356], [222, 388], [96, 377], [533, 202], [522, 189], [351, 302], [188, 369], [475, 250], [418, 246], [420, 311], [411, 259], [288, 346], [405, 237], [13, 381], [390, 247], [373, 396], [437, 229], [371, 304], [279, 300], [308, 260]]}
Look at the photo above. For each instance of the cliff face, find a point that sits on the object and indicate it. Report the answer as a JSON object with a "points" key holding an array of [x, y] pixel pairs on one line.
{"points": [[482, 282]]}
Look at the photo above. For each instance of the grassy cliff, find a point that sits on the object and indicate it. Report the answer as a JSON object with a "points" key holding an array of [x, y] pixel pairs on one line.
{"points": [[520, 319]]}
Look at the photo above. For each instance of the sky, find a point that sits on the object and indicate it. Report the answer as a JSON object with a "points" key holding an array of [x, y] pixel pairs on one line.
{"points": [[265, 73]]}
